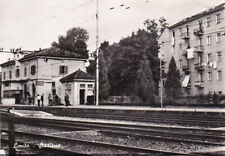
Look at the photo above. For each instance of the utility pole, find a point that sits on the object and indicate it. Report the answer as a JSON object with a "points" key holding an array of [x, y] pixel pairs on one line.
{"points": [[161, 84], [97, 51]]}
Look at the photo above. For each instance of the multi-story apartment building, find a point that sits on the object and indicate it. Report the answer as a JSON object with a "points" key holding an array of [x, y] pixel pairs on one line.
{"points": [[197, 44], [40, 73]]}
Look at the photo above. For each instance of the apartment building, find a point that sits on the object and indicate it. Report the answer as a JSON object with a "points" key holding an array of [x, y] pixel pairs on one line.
{"points": [[40, 73], [198, 45]]}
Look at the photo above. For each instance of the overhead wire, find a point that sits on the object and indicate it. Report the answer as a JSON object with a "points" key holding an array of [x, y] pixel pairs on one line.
{"points": [[88, 19]]}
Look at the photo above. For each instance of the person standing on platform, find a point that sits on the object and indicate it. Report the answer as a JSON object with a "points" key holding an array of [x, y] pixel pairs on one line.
{"points": [[49, 99], [67, 101], [38, 100], [29, 99], [42, 100]]}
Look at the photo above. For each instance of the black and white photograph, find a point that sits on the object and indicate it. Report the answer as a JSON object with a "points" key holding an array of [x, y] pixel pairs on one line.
{"points": [[112, 77]]}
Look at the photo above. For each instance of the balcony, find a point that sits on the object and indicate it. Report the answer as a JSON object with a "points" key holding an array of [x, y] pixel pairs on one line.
{"points": [[186, 70], [199, 84], [199, 49], [199, 67], [185, 36], [198, 32]]}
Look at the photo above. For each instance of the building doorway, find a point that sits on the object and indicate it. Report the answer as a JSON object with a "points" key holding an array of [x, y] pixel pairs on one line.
{"points": [[82, 96]]}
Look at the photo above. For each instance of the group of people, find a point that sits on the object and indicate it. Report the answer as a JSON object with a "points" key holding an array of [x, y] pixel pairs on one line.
{"points": [[52, 100]]}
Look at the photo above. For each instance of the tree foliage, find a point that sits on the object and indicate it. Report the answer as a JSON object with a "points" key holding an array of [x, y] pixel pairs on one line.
{"points": [[131, 65], [172, 84], [74, 41], [104, 85]]}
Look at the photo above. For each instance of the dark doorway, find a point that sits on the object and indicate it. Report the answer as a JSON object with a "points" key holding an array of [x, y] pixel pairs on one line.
{"points": [[82, 96]]}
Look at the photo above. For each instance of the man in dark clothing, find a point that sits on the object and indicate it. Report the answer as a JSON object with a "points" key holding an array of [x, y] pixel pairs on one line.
{"points": [[42, 99], [67, 99]]}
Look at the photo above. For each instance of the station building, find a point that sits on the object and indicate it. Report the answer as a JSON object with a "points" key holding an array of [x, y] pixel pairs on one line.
{"points": [[40, 73], [197, 44]]}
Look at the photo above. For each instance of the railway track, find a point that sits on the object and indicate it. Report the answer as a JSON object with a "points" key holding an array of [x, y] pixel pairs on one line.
{"points": [[197, 136], [186, 120], [172, 134], [58, 139]]}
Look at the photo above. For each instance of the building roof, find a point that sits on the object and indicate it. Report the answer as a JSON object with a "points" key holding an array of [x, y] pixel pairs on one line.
{"points": [[51, 52], [199, 15], [11, 62], [78, 75]]}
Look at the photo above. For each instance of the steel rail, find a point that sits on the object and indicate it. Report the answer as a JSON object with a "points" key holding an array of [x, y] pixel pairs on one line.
{"points": [[97, 144]]}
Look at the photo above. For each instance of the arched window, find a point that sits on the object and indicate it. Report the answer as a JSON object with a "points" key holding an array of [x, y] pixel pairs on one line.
{"points": [[17, 72], [33, 70]]}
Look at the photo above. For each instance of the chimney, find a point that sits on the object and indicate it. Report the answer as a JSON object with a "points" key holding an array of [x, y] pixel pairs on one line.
{"points": [[39, 49]]}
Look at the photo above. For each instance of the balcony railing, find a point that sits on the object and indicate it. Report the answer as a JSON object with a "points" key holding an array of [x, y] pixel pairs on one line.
{"points": [[185, 36], [186, 69], [199, 67], [199, 48], [198, 31], [199, 84]]}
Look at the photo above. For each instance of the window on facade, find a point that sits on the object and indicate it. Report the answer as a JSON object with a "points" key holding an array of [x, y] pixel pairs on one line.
{"points": [[68, 87], [33, 70], [209, 76], [180, 63], [220, 92], [180, 31], [209, 58], [63, 69], [219, 75], [10, 74], [201, 77], [82, 85], [218, 37], [4, 76], [218, 18], [208, 40], [180, 46], [17, 72], [25, 71], [208, 21], [6, 84], [173, 33], [90, 85], [219, 56]]}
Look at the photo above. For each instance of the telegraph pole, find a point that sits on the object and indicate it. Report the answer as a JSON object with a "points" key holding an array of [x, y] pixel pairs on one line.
{"points": [[97, 51], [161, 84]]}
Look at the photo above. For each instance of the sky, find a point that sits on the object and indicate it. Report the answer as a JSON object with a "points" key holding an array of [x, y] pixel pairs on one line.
{"points": [[34, 24]]}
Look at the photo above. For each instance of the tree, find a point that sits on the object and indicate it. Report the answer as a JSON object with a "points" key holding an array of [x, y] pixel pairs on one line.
{"points": [[173, 84], [104, 85], [144, 81], [74, 41]]}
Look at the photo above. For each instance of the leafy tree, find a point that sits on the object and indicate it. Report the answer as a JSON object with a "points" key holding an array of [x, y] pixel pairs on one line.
{"points": [[74, 41], [172, 84]]}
